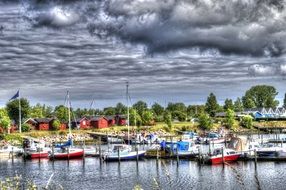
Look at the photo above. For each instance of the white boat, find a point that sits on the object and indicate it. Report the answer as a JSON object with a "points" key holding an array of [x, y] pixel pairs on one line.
{"points": [[8, 150], [36, 149], [123, 152], [91, 151]]}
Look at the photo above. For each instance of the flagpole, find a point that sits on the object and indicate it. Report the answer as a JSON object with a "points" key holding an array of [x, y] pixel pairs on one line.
{"points": [[20, 120]]}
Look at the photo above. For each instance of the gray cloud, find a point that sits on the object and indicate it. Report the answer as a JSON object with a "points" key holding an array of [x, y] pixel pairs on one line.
{"points": [[46, 60], [247, 27]]}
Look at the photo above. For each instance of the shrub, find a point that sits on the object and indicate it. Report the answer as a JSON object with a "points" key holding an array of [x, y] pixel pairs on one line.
{"points": [[26, 127], [205, 121], [246, 122], [56, 124]]}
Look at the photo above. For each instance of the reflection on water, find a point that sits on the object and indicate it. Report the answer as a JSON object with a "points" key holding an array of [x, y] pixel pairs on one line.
{"points": [[149, 174]]}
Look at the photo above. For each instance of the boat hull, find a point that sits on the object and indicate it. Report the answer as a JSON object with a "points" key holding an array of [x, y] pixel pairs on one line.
{"points": [[131, 156], [66, 156], [35, 155], [227, 158]]}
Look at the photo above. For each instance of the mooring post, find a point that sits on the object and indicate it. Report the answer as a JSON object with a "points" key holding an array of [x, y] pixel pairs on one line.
{"points": [[172, 147], [100, 152], [177, 152], [39, 151], [118, 154], [137, 153], [12, 153], [255, 158], [53, 152], [157, 153], [68, 153], [223, 156]]}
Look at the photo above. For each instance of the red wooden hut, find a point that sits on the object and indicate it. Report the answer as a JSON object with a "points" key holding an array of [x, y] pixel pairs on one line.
{"points": [[99, 122], [43, 123], [111, 120], [121, 120], [82, 123]]}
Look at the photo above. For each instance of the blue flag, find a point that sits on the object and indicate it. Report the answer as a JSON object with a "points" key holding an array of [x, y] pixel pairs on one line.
{"points": [[15, 96]]}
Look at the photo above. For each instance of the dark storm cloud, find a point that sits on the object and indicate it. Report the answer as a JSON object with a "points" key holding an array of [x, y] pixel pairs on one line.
{"points": [[44, 59], [243, 27], [247, 27]]}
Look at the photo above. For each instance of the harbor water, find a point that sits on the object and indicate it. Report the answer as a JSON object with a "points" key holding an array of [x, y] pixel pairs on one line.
{"points": [[90, 173]]}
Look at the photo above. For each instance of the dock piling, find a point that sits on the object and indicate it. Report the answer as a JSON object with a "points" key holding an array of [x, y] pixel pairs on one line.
{"points": [[255, 158], [223, 161], [118, 153], [177, 153]]}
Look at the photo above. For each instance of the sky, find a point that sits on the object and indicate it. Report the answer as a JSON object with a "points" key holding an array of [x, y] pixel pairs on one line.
{"points": [[168, 50]]}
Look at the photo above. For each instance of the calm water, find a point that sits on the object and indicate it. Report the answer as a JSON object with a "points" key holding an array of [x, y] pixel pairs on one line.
{"points": [[149, 174]]}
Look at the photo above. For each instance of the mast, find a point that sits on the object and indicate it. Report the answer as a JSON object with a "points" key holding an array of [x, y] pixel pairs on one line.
{"points": [[127, 96], [20, 118], [69, 112]]}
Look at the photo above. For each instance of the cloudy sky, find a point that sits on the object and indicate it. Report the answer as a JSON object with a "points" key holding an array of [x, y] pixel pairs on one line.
{"points": [[169, 50]]}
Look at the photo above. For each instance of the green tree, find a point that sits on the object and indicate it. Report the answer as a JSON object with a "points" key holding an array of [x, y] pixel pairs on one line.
{"points": [[211, 105], [56, 124], [13, 109], [246, 122], [238, 107], [229, 118], [5, 121], [181, 116], [195, 110], [147, 117], [120, 108], [61, 112], [36, 111], [158, 109], [109, 111], [47, 111], [134, 118], [140, 107], [205, 121], [168, 118], [248, 102], [228, 104], [261, 96]]}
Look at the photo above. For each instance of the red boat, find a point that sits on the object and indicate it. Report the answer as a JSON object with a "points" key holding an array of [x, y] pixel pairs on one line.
{"points": [[229, 156], [65, 154], [36, 153]]}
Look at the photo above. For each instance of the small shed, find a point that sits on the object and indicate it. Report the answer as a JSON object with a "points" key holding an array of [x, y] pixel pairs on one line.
{"points": [[99, 122], [111, 120], [82, 123], [43, 123], [121, 120]]}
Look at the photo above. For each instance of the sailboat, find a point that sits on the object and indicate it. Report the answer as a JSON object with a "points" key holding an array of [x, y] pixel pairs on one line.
{"points": [[123, 152], [66, 151]]}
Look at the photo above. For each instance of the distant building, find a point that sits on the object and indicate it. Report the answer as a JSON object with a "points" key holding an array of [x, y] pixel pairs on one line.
{"points": [[99, 122], [43, 123], [82, 123], [120, 120], [111, 120]]}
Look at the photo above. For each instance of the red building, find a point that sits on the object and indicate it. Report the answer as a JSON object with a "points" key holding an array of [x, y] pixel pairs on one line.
{"points": [[82, 123], [43, 123], [120, 120], [99, 122], [63, 126], [32, 123], [111, 120]]}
